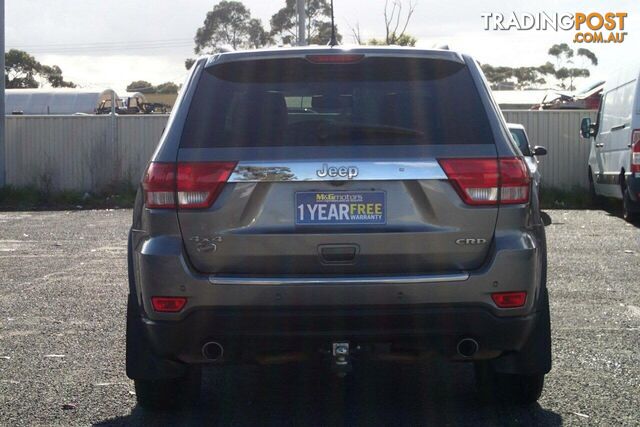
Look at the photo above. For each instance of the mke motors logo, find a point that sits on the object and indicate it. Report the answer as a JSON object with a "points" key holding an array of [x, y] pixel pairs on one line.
{"points": [[593, 27]]}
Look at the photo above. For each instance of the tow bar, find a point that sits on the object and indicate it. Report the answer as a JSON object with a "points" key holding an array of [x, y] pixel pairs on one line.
{"points": [[341, 360]]}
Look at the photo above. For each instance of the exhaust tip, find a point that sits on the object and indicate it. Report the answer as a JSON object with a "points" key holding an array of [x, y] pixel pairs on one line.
{"points": [[467, 347], [212, 351]]}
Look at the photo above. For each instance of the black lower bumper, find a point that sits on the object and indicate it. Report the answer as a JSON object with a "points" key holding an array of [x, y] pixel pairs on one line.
{"points": [[249, 331]]}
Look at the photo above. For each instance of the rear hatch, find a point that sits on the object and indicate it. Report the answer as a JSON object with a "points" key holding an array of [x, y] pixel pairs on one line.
{"points": [[333, 164]]}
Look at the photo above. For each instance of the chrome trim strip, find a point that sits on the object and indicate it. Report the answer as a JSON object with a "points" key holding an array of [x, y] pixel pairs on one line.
{"points": [[362, 170], [321, 280]]}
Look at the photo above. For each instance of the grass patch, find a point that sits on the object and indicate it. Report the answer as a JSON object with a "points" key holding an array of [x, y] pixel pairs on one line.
{"points": [[120, 195]]}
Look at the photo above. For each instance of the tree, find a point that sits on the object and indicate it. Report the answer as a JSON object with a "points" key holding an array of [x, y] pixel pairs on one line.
{"points": [[590, 56], [141, 86], [395, 26], [229, 24], [403, 40], [168, 87], [258, 36], [527, 77], [562, 52], [516, 78], [284, 23], [531, 77], [53, 74], [188, 63], [22, 71], [564, 64]]}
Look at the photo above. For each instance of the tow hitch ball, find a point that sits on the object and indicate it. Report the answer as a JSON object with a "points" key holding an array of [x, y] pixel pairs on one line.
{"points": [[341, 360]]}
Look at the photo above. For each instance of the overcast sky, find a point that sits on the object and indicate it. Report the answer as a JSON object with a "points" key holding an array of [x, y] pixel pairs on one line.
{"points": [[110, 43]]}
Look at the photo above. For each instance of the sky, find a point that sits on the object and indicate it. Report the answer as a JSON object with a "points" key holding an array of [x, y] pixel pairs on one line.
{"points": [[101, 43]]}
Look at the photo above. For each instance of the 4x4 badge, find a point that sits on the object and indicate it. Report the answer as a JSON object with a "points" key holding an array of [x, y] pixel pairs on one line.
{"points": [[348, 172]]}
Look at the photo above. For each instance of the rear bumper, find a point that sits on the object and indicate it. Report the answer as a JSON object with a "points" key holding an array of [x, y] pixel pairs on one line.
{"points": [[247, 332], [162, 269], [429, 312]]}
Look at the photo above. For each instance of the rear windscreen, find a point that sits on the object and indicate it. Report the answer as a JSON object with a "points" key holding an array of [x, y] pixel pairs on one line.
{"points": [[376, 101]]}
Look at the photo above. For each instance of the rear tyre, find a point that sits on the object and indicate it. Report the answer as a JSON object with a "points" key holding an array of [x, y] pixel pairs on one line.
{"points": [[512, 389], [169, 394], [629, 211]]}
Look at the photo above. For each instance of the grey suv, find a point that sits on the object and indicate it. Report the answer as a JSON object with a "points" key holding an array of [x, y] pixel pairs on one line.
{"points": [[336, 205]]}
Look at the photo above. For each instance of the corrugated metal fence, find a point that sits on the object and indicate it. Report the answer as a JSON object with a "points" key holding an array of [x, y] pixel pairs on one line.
{"points": [[565, 165], [89, 153], [86, 153]]}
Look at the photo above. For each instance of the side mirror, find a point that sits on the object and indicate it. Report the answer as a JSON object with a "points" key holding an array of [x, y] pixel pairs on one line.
{"points": [[587, 128], [539, 151]]}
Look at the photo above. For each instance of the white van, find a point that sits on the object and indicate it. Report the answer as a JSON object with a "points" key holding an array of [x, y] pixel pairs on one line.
{"points": [[614, 161]]}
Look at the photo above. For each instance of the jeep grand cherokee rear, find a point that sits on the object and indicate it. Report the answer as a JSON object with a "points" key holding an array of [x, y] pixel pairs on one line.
{"points": [[341, 205]]}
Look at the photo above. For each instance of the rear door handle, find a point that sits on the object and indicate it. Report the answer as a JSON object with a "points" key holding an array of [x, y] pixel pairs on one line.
{"points": [[338, 253]]}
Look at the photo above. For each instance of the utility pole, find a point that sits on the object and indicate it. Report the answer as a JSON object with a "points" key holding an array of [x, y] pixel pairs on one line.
{"points": [[302, 38], [3, 150]]}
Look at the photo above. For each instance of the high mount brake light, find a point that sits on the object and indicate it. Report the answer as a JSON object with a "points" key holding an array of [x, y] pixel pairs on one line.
{"points": [[482, 182], [335, 58], [187, 185], [635, 151]]}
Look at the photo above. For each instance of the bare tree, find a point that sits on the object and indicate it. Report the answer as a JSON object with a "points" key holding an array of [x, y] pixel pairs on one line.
{"points": [[394, 20], [355, 33]]}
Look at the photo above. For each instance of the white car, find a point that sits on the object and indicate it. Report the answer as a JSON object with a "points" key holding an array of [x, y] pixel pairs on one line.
{"points": [[519, 135], [614, 160]]}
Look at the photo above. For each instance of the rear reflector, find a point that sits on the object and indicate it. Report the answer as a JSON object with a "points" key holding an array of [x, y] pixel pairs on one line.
{"points": [[335, 59], [509, 299], [191, 185], [168, 304], [489, 181], [635, 151]]}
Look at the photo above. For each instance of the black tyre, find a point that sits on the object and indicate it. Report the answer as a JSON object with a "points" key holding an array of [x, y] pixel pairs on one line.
{"points": [[511, 389], [629, 213], [169, 394]]}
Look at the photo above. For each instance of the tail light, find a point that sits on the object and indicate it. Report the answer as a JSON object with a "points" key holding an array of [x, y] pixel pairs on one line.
{"points": [[168, 304], [509, 299], [635, 151], [489, 181], [185, 185]]}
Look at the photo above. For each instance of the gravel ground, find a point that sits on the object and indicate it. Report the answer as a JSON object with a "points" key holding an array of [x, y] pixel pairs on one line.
{"points": [[62, 311]]}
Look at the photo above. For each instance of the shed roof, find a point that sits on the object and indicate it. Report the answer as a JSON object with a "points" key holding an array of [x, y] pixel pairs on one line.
{"points": [[55, 101]]}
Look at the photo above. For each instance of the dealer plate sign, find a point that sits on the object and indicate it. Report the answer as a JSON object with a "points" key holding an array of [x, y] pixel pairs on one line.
{"points": [[340, 207]]}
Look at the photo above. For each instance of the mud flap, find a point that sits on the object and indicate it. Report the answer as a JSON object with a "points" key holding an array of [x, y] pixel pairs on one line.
{"points": [[141, 363], [535, 355]]}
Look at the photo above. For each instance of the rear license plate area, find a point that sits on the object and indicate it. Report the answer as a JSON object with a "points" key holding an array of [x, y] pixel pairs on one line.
{"points": [[340, 207]]}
